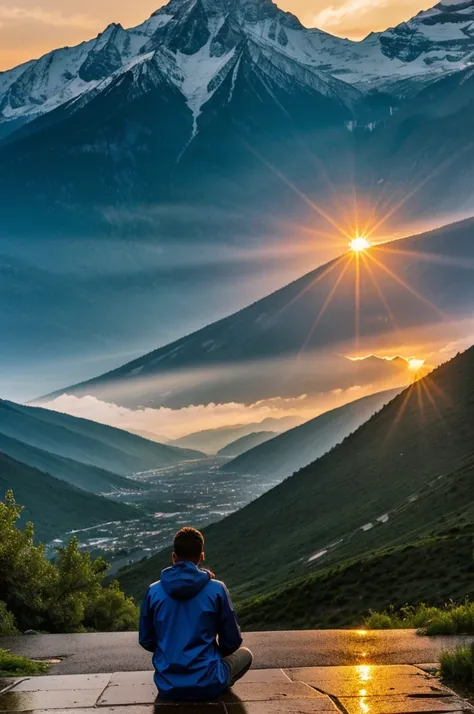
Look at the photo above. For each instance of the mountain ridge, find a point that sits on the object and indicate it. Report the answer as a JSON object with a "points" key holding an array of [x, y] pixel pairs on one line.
{"points": [[67, 73], [90, 443], [56, 507], [294, 449], [282, 324]]}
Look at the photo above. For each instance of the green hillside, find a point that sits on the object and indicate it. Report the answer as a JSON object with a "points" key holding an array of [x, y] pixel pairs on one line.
{"points": [[430, 571], [54, 506], [246, 443], [298, 447], [390, 483], [85, 476], [87, 441]]}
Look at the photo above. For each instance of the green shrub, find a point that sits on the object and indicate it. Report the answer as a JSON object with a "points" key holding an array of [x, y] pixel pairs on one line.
{"points": [[452, 619], [64, 596], [112, 611], [12, 665], [382, 621], [458, 665], [7, 621]]}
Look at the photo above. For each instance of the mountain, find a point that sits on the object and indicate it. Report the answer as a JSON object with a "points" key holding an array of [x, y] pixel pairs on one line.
{"points": [[213, 440], [246, 443], [145, 121], [439, 40], [103, 447], [341, 596], [294, 449], [201, 133], [150, 435], [140, 111], [403, 475], [75, 473], [426, 149], [54, 506], [267, 350]]}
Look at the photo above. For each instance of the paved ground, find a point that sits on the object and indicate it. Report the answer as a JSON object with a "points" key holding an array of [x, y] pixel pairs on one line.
{"points": [[119, 652], [360, 689]]}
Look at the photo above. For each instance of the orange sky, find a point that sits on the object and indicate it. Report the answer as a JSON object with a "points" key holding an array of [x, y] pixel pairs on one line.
{"points": [[29, 28]]}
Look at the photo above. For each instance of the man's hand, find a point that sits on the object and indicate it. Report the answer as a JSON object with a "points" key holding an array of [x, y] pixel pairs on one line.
{"points": [[206, 570]]}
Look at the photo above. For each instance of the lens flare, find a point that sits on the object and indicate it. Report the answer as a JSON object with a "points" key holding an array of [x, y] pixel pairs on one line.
{"points": [[359, 244], [416, 364]]}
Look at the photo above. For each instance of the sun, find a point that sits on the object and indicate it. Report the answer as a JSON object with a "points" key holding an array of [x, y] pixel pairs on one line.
{"points": [[359, 244], [415, 364]]}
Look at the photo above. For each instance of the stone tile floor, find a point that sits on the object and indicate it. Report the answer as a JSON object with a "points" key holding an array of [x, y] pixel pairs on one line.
{"points": [[362, 689]]}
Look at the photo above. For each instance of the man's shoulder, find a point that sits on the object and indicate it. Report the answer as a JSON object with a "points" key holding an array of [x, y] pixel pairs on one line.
{"points": [[155, 588], [216, 586]]}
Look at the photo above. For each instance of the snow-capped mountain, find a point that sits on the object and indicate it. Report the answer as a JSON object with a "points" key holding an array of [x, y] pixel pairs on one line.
{"points": [[202, 36], [214, 123]]}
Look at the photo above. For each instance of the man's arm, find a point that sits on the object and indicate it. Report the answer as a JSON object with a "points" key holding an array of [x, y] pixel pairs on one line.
{"points": [[229, 635], [147, 635]]}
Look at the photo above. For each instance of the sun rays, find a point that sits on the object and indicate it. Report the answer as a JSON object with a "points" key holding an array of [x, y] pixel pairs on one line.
{"points": [[359, 244], [383, 285]]}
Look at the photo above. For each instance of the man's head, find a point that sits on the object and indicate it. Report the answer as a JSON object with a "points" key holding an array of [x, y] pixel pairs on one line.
{"points": [[188, 545]]}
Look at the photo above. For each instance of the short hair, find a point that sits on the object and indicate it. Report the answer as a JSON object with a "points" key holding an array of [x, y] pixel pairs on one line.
{"points": [[188, 544]]}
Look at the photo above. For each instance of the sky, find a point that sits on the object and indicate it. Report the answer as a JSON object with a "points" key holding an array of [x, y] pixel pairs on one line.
{"points": [[29, 28]]}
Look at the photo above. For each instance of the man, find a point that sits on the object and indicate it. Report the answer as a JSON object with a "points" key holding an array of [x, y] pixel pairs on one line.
{"points": [[188, 622]]}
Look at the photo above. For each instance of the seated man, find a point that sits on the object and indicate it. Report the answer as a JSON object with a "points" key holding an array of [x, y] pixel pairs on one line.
{"points": [[188, 622]]}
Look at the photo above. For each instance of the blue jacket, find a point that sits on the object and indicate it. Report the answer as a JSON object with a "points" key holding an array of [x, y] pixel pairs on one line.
{"points": [[188, 622]]}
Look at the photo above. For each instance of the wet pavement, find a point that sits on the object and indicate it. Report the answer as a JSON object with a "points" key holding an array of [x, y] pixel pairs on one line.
{"points": [[120, 652], [360, 689]]}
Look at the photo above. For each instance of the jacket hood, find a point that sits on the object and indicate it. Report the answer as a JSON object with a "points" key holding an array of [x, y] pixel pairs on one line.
{"points": [[184, 580]]}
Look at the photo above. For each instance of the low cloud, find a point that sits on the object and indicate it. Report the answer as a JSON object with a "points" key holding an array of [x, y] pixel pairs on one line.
{"points": [[174, 423]]}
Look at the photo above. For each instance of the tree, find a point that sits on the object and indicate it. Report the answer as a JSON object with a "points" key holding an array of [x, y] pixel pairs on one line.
{"points": [[64, 596], [26, 576], [7, 621]]}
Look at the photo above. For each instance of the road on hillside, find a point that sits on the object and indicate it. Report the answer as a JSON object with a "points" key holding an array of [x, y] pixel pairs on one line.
{"points": [[119, 651]]}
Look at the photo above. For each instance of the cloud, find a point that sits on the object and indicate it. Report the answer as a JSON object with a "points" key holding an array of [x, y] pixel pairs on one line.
{"points": [[44, 17], [174, 423], [333, 17]]}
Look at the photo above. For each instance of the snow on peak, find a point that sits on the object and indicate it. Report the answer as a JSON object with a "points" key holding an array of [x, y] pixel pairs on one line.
{"points": [[202, 37], [456, 3]]}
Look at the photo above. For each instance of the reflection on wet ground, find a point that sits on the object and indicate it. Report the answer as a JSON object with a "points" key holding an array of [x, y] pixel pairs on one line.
{"points": [[362, 689]]}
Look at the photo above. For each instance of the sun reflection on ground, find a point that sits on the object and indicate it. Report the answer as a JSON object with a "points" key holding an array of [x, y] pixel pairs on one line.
{"points": [[365, 672]]}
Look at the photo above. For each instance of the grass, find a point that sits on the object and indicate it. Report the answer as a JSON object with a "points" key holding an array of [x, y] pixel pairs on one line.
{"points": [[452, 619], [458, 666], [13, 665], [429, 571]]}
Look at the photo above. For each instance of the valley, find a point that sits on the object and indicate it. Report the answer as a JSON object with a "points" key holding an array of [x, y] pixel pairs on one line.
{"points": [[166, 499]]}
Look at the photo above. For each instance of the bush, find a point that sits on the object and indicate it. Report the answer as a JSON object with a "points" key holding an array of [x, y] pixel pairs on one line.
{"points": [[112, 611], [7, 621], [452, 619], [64, 596], [458, 665], [12, 665]]}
